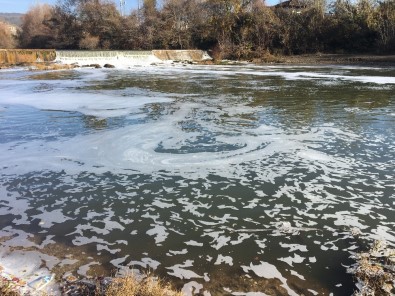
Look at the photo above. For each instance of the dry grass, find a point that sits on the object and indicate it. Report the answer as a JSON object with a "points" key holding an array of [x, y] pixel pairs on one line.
{"points": [[131, 286], [373, 277], [6, 288], [127, 286]]}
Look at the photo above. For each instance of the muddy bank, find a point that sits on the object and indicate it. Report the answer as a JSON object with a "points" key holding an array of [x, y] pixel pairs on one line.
{"points": [[331, 59]]}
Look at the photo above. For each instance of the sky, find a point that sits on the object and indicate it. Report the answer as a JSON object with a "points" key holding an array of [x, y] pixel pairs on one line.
{"points": [[21, 6]]}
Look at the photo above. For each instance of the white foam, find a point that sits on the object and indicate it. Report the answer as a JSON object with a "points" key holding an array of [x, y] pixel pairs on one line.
{"points": [[193, 243], [295, 273], [95, 104], [179, 271], [269, 271], [294, 247], [135, 147], [291, 260], [224, 259], [13, 203], [191, 288], [84, 269], [49, 218], [313, 291], [320, 75], [172, 253], [384, 233], [219, 240], [344, 218], [146, 263], [160, 233], [242, 237], [118, 261]]}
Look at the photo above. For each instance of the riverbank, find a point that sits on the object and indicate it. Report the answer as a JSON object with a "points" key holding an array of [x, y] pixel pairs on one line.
{"points": [[49, 60], [373, 270], [99, 286], [330, 59]]}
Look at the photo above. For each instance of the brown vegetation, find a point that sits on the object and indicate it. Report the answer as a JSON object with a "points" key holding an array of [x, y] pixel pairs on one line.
{"points": [[133, 287], [7, 40], [231, 29], [129, 285], [375, 271], [6, 288], [35, 32]]}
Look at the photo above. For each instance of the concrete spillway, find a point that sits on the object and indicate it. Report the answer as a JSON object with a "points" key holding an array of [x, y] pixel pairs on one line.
{"points": [[20, 56], [101, 57], [124, 58], [113, 57]]}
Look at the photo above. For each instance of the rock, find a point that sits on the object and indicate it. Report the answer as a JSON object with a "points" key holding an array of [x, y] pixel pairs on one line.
{"points": [[355, 231], [108, 66], [96, 66]]}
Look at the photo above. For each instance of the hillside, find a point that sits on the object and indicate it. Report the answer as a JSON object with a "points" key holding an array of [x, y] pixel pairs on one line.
{"points": [[12, 18]]}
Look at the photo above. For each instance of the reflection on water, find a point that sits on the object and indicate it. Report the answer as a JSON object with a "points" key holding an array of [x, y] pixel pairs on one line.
{"points": [[223, 179]]}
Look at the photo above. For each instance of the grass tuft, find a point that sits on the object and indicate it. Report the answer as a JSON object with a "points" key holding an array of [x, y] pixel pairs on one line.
{"points": [[131, 286], [6, 288]]}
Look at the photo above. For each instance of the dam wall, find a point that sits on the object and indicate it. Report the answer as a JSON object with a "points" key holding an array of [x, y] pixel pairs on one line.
{"points": [[21, 56], [100, 57], [181, 55], [128, 57]]}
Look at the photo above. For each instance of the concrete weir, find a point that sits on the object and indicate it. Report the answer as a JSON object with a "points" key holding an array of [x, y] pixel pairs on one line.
{"points": [[21, 56], [100, 57], [126, 57]]}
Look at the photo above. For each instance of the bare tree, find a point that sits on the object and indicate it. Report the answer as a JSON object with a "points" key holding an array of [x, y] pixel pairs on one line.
{"points": [[182, 22], [89, 42], [101, 18], [35, 32], [386, 25], [7, 39]]}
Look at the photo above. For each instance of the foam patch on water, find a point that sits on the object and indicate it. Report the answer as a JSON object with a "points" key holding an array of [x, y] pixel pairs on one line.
{"points": [[94, 104], [273, 71], [269, 271], [180, 271], [248, 294], [139, 148]]}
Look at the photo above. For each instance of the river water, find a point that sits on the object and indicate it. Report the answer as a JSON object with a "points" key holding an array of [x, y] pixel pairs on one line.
{"points": [[223, 179]]}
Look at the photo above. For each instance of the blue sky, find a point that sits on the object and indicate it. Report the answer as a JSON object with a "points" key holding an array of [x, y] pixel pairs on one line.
{"points": [[22, 6]]}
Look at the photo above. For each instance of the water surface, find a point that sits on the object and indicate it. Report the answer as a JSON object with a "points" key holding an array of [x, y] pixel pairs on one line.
{"points": [[223, 179]]}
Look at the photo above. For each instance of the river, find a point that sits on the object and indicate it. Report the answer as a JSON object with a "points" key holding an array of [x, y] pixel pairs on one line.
{"points": [[225, 180]]}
